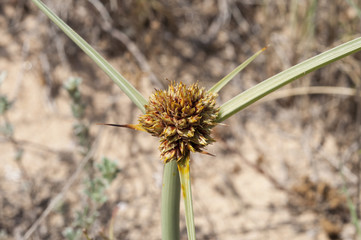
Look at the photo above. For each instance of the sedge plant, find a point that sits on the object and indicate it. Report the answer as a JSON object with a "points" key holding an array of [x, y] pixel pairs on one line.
{"points": [[182, 117]]}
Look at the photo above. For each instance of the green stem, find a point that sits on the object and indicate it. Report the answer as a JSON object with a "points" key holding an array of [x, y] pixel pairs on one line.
{"points": [[187, 196], [170, 202]]}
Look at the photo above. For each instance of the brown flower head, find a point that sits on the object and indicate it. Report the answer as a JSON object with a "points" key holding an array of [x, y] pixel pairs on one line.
{"points": [[182, 118]]}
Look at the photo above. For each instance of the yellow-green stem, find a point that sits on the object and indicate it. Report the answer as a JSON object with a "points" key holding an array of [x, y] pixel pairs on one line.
{"points": [[185, 180], [170, 202]]}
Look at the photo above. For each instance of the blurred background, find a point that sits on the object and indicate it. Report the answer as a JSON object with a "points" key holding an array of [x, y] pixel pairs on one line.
{"points": [[288, 167]]}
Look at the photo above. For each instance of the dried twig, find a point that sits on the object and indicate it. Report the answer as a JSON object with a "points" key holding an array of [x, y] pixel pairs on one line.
{"points": [[217, 24], [310, 90], [107, 25], [46, 70], [60, 48]]}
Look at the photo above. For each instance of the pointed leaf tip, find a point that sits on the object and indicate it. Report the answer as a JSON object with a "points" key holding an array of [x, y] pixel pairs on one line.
{"points": [[262, 89], [131, 126], [219, 85]]}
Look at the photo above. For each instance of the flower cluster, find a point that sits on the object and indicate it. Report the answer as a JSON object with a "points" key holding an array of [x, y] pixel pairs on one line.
{"points": [[182, 118]]}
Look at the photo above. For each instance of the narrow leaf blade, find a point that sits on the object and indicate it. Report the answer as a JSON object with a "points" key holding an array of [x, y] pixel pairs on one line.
{"points": [[221, 83], [253, 94], [124, 85], [184, 175]]}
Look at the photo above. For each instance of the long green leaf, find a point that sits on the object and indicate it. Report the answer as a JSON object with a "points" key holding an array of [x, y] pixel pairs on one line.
{"points": [[221, 83], [253, 94], [124, 85]]}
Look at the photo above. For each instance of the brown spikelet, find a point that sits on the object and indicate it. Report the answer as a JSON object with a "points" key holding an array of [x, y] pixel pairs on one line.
{"points": [[182, 118]]}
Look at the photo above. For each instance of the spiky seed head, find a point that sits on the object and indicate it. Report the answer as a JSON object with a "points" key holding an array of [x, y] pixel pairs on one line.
{"points": [[182, 118]]}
